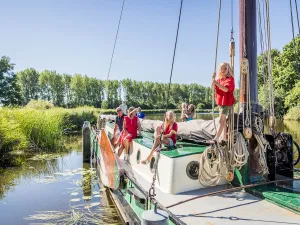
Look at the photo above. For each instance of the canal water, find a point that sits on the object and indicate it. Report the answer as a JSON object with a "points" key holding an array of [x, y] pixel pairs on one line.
{"points": [[63, 190], [54, 190]]}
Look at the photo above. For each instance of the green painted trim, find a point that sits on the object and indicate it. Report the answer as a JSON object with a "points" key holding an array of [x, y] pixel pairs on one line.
{"points": [[279, 196]]}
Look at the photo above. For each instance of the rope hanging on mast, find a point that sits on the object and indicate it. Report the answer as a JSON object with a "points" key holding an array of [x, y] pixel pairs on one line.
{"points": [[116, 38]]}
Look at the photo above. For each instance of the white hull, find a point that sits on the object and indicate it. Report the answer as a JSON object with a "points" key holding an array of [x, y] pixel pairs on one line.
{"points": [[172, 177]]}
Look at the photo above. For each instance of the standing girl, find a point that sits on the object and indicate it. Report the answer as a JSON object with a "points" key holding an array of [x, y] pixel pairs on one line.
{"points": [[224, 96]]}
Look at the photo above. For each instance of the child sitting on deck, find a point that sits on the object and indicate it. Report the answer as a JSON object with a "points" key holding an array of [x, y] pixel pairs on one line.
{"points": [[130, 126], [224, 96], [166, 134]]}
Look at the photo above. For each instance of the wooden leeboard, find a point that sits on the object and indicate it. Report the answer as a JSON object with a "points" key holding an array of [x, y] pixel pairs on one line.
{"points": [[109, 159]]}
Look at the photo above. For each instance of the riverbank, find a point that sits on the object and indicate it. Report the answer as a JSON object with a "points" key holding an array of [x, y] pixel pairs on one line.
{"points": [[29, 130]]}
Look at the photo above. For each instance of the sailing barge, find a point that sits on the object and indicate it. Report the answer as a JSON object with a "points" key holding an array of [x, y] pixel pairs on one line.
{"points": [[198, 183]]}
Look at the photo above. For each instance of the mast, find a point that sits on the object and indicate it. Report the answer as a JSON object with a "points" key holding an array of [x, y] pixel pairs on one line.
{"points": [[248, 50]]}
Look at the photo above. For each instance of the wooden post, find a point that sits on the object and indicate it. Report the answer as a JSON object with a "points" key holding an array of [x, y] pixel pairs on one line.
{"points": [[86, 141]]}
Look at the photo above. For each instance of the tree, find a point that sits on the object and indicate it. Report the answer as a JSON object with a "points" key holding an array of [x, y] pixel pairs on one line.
{"points": [[9, 89], [67, 89], [78, 90], [293, 99], [29, 82], [285, 73]]}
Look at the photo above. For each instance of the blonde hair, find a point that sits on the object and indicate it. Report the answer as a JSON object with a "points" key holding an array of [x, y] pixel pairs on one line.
{"points": [[171, 114], [229, 69]]}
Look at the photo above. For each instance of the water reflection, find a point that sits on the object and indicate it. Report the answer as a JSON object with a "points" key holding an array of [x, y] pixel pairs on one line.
{"points": [[54, 190]]}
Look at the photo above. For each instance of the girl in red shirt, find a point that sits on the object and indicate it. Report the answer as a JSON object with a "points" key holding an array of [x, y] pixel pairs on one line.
{"points": [[131, 125], [168, 130], [224, 96]]}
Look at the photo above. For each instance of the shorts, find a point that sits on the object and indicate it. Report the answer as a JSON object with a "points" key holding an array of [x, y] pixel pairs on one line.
{"points": [[225, 109], [171, 143]]}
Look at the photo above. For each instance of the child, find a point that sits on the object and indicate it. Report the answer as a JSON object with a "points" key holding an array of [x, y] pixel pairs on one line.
{"points": [[183, 112], [190, 112], [224, 96]]}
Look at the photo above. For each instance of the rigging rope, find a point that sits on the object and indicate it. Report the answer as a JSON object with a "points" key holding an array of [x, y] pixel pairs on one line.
{"points": [[116, 38], [152, 188], [296, 4], [215, 68], [270, 83], [174, 54]]}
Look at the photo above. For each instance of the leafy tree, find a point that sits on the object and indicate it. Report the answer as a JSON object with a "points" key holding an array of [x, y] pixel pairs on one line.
{"points": [[9, 89], [293, 99], [29, 83]]}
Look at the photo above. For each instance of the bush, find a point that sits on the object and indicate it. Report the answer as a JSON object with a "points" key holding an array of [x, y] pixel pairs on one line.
{"points": [[74, 118], [200, 106], [293, 114], [39, 104]]}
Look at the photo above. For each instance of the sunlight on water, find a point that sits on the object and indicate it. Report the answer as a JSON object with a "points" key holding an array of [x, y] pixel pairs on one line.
{"points": [[54, 190]]}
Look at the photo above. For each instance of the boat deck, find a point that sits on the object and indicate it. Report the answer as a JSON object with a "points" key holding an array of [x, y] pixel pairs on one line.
{"points": [[227, 208], [183, 148]]}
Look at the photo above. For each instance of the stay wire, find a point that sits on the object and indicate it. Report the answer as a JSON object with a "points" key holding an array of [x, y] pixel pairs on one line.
{"points": [[174, 54], [296, 4], [116, 38]]}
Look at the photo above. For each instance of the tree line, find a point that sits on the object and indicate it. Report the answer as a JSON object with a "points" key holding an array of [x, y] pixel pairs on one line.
{"points": [[65, 90], [285, 75]]}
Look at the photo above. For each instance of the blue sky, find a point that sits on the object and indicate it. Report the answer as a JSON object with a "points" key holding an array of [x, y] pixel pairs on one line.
{"points": [[73, 36]]}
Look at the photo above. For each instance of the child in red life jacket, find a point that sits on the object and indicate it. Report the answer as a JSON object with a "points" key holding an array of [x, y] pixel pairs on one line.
{"points": [[224, 96]]}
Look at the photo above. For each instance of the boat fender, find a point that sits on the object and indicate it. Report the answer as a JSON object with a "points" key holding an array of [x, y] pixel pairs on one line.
{"points": [[155, 217], [247, 133]]}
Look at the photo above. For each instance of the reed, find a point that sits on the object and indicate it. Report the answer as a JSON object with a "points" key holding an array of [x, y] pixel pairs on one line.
{"points": [[40, 129]]}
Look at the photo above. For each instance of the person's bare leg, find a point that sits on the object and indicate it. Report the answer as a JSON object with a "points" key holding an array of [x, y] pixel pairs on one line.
{"points": [[156, 143], [120, 150], [225, 130], [127, 146], [221, 128]]}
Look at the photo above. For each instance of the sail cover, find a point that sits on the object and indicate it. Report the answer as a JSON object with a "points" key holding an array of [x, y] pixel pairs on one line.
{"points": [[194, 130]]}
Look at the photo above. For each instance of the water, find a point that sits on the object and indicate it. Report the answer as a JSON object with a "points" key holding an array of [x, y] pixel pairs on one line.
{"points": [[62, 190]]}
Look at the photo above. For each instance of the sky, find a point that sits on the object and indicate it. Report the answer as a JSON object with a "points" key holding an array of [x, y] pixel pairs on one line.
{"points": [[75, 36]]}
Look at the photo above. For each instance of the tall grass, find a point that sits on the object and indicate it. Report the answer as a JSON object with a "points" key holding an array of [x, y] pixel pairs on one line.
{"points": [[40, 129]]}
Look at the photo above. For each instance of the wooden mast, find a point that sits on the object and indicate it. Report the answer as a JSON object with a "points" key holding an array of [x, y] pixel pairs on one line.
{"points": [[248, 50]]}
